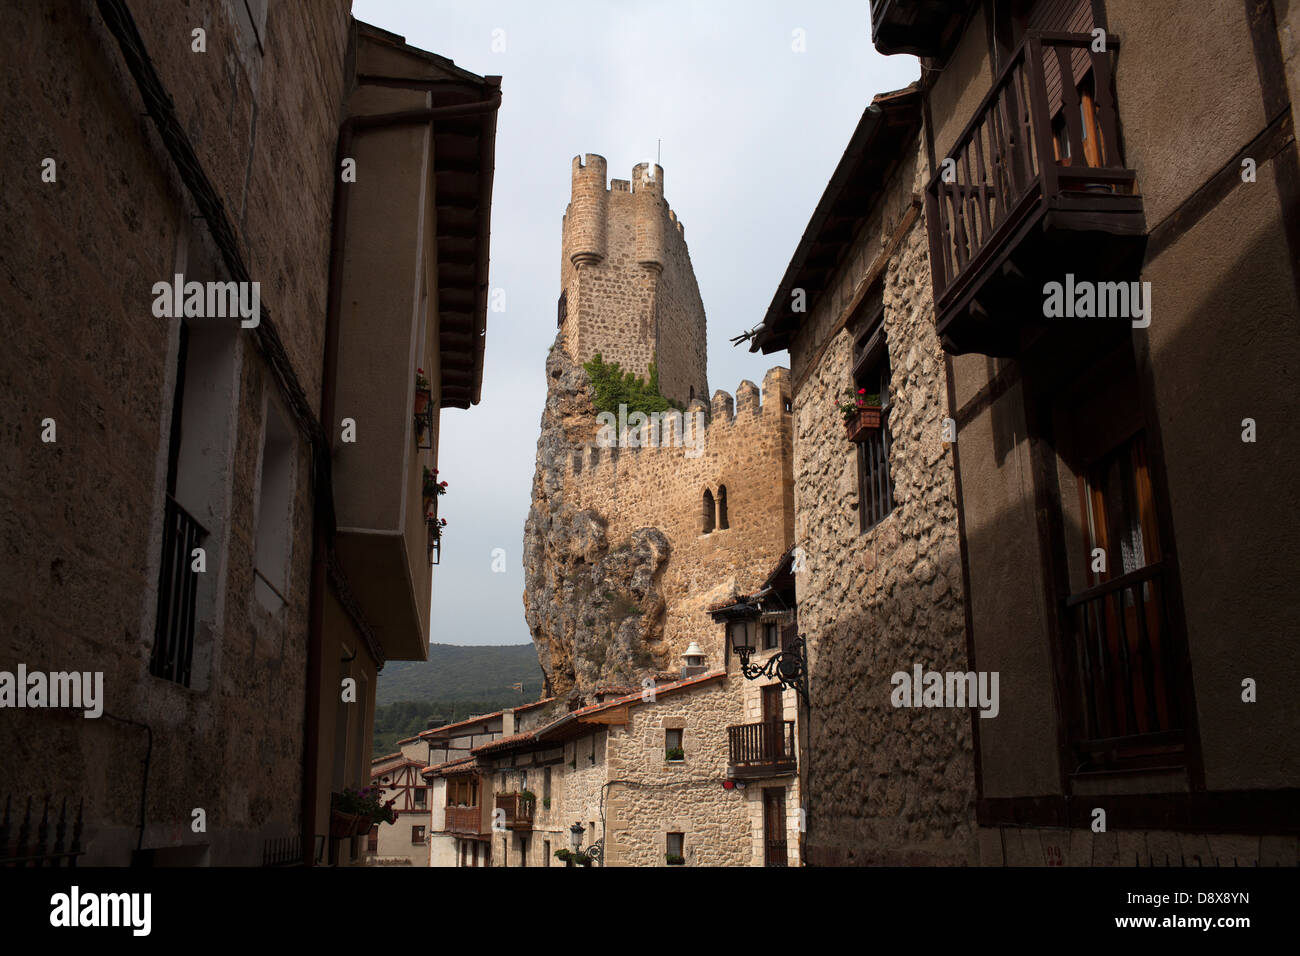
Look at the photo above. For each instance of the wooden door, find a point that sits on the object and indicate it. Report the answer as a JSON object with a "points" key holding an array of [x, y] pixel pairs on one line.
{"points": [[773, 724], [774, 846]]}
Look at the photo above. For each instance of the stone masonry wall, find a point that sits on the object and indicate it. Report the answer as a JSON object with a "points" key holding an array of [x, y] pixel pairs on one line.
{"points": [[618, 573], [885, 785], [81, 525], [632, 296], [650, 797]]}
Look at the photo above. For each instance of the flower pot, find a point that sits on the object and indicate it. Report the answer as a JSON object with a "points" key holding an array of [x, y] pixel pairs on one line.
{"points": [[423, 397], [363, 825], [864, 424], [342, 825]]}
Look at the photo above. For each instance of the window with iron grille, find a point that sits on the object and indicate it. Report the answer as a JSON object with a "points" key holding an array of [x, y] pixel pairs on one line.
{"points": [[871, 375], [417, 835]]}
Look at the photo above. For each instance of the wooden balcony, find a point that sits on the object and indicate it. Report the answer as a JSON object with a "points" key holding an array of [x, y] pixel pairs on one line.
{"points": [[918, 27], [764, 749], [519, 810], [1128, 710], [464, 821], [1033, 189]]}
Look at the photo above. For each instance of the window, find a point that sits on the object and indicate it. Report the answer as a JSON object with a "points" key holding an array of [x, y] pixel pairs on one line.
{"points": [[417, 835], [523, 851], [546, 853], [1122, 643], [372, 839], [546, 784], [673, 749], [420, 795], [676, 845], [1124, 658], [771, 635], [706, 513], [274, 509], [722, 508], [200, 467], [871, 375]]}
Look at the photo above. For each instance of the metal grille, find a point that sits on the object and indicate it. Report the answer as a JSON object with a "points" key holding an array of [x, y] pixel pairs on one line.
{"points": [[875, 484], [173, 648]]}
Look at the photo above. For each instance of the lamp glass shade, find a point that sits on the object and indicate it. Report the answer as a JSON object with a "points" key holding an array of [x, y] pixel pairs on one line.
{"points": [[575, 836]]}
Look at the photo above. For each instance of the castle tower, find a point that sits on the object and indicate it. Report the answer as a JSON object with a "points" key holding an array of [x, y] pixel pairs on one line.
{"points": [[628, 290]]}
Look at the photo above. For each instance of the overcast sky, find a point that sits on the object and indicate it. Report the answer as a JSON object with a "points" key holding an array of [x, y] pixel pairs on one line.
{"points": [[751, 131]]}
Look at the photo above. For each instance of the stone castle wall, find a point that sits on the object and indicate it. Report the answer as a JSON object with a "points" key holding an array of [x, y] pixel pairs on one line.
{"points": [[885, 785], [746, 450], [627, 278]]}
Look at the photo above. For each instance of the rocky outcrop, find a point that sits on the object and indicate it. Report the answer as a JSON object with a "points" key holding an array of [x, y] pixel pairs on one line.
{"points": [[595, 610]]}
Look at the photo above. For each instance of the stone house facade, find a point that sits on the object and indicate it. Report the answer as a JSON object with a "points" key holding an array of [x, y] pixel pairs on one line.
{"points": [[879, 582], [1123, 479], [647, 775], [173, 520]]}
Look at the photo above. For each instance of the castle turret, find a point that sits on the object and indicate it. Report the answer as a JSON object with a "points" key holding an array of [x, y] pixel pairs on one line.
{"points": [[628, 292], [651, 211], [588, 211]]}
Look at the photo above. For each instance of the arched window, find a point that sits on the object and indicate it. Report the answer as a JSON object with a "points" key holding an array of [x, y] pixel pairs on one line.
{"points": [[722, 508], [707, 512]]}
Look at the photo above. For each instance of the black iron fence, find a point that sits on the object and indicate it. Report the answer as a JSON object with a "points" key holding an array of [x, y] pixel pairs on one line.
{"points": [[40, 843]]}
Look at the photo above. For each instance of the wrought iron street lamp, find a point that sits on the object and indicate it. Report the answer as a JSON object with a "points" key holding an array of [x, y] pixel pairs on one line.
{"points": [[790, 666]]}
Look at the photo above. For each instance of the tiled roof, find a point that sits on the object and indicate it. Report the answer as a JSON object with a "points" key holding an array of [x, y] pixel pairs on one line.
{"points": [[450, 766], [541, 733], [474, 720]]}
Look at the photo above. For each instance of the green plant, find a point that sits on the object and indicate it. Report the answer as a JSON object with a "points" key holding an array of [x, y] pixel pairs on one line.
{"points": [[546, 803], [420, 381], [366, 802], [675, 753], [528, 796], [578, 859], [850, 406], [674, 860], [614, 387]]}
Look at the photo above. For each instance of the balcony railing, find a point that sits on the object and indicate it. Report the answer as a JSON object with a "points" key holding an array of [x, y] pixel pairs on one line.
{"points": [[519, 810], [173, 647], [763, 749], [1044, 139], [464, 820], [1128, 672]]}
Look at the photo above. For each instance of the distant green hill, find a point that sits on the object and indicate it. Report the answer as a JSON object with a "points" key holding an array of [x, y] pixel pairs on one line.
{"points": [[455, 672], [456, 682]]}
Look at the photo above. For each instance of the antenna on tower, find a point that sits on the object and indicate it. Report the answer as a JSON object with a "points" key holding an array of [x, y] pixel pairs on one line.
{"points": [[659, 152]]}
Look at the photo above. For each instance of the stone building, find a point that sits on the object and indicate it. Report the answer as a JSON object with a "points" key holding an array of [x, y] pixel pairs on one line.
{"points": [[431, 773], [1116, 283], [217, 512], [649, 776], [626, 547], [877, 569]]}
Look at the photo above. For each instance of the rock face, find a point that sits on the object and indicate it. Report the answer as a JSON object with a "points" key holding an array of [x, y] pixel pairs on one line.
{"points": [[596, 612]]}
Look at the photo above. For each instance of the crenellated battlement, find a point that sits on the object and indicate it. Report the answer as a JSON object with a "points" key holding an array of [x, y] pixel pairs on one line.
{"points": [[710, 433]]}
